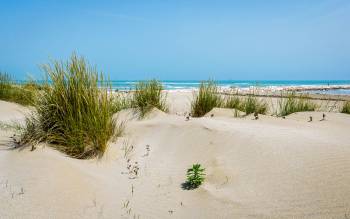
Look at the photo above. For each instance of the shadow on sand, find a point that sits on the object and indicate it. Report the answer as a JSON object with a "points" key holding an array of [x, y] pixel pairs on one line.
{"points": [[188, 186]]}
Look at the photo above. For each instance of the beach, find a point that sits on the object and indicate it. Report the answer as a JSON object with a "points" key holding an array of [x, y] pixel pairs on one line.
{"points": [[175, 109], [271, 167]]}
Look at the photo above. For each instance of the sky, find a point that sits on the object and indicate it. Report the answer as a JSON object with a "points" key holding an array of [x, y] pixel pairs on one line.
{"points": [[180, 39]]}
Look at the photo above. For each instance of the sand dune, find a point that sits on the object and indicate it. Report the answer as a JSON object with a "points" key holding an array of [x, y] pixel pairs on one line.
{"points": [[226, 113], [12, 111], [265, 168]]}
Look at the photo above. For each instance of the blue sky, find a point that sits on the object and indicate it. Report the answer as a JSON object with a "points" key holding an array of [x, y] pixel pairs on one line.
{"points": [[177, 39]]}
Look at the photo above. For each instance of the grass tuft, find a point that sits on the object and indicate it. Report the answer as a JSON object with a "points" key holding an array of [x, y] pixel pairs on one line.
{"points": [[346, 107], [252, 104], [10, 91], [206, 99], [73, 113], [293, 103], [121, 101], [249, 104], [233, 102], [147, 95]]}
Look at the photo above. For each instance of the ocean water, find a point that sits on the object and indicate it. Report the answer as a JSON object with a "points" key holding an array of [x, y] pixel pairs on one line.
{"points": [[190, 84], [124, 85]]}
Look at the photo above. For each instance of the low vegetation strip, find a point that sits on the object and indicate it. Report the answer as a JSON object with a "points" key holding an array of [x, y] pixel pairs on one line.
{"points": [[346, 107], [292, 103], [248, 104], [12, 92], [209, 96]]}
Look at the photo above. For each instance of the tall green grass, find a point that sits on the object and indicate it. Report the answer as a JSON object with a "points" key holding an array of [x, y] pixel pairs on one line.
{"points": [[346, 107], [147, 95], [73, 113], [121, 101], [249, 104], [233, 101], [252, 104], [206, 99], [292, 103], [10, 91], [5, 85]]}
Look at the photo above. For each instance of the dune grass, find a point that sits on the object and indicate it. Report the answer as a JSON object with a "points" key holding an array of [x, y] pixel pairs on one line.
{"points": [[147, 95], [249, 104], [121, 101], [5, 86], [294, 103], [73, 114], [12, 92], [346, 107], [206, 99], [233, 101]]}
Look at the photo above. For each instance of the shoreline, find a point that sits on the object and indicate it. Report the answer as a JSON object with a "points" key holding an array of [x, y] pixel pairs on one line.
{"points": [[297, 88], [273, 92]]}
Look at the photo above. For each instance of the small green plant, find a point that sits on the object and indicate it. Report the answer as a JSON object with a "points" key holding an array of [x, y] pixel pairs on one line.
{"points": [[195, 176], [293, 103], [206, 99], [346, 107], [147, 95]]}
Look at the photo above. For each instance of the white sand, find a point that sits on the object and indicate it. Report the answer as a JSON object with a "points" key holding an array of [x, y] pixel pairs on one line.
{"points": [[266, 168]]}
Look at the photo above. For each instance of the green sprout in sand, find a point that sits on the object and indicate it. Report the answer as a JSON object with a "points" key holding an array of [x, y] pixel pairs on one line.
{"points": [[195, 176]]}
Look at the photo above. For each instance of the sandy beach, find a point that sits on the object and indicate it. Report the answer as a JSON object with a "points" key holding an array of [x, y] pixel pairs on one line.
{"points": [[175, 109], [266, 168]]}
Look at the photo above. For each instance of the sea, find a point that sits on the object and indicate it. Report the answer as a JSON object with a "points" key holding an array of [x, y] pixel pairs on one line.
{"points": [[193, 84]]}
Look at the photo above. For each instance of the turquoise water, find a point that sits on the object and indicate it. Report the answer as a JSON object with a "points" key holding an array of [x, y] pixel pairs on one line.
{"points": [[189, 84]]}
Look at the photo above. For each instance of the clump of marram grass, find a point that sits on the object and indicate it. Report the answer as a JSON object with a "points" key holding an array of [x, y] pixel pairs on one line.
{"points": [[233, 102], [346, 107], [74, 115], [249, 104], [147, 95], [5, 86], [10, 91], [5, 82], [209, 97], [293, 103], [206, 99], [121, 101], [252, 104]]}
